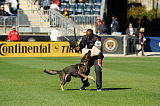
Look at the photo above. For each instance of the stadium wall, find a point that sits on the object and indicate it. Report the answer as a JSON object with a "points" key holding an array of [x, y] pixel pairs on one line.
{"points": [[44, 48]]}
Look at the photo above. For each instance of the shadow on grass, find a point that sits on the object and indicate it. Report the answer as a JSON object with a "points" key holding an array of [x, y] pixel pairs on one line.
{"points": [[103, 89], [153, 55]]}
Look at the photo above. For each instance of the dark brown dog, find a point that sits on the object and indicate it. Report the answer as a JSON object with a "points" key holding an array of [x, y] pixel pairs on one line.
{"points": [[78, 70]]}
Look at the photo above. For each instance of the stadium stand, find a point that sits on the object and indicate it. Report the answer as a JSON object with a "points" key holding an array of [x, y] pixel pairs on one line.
{"points": [[82, 13]]}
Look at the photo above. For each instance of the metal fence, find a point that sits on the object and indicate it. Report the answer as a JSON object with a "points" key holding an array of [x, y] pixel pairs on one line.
{"points": [[40, 21], [37, 20], [84, 19], [6, 22]]}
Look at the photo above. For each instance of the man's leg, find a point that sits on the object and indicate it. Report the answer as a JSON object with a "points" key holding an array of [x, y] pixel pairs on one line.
{"points": [[86, 83], [98, 71]]}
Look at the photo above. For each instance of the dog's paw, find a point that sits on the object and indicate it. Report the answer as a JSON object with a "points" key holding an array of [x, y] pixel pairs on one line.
{"points": [[45, 70], [85, 79]]}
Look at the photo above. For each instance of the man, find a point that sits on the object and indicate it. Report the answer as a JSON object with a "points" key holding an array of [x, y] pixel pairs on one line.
{"points": [[14, 5], [14, 35], [88, 41], [142, 40], [54, 6], [46, 4], [114, 25], [132, 38], [55, 34]]}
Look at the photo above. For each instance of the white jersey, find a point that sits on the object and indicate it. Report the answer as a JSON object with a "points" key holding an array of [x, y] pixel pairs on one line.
{"points": [[54, 35]]}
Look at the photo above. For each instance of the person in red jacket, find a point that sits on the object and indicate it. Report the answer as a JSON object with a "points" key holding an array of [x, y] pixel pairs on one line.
{"points": [[13, 35]]}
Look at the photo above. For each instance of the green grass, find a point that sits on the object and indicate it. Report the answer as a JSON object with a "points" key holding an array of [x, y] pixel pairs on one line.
{"points": [[126, 82]]}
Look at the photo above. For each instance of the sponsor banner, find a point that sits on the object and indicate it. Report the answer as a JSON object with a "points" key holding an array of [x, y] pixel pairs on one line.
{"points": [[112, 44], [36, 49], [152, 44]]}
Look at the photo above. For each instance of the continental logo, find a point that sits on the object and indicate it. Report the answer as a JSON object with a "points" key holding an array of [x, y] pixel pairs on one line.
{"points": [[110, 45], [28, 49], [18, 48]]}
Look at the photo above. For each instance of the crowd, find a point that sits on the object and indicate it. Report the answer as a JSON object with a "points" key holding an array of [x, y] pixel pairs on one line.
{"points": [[8, 7]]}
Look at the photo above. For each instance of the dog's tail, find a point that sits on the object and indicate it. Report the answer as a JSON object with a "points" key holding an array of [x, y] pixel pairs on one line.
{"points": [[52, 72]]}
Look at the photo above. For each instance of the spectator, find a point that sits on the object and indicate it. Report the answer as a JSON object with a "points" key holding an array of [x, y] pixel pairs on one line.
{"points": [[46, 4], [141, 40], [54, 6], [56, 2], [114, 25], [13, 35], [7, 8], [72, 1], [98, 23], [80, 1], [66, 13], [55, 34], [2, 12], [132, 38], [14, 5], [102, 28]]}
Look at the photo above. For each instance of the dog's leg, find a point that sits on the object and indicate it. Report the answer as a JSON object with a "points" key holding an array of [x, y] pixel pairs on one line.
{"points": [[62, 87], [90, 77], [66, 76], [63, 81], [83, 75]]}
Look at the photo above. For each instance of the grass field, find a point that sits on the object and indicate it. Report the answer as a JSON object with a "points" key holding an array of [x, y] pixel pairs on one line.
{"points": [[133, 81]]}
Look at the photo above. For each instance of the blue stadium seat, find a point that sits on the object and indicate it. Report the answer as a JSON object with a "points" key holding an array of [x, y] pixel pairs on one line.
{"points": [[61, 10], [64, 5], [96, 12], [79, 11], [87, 12], [65, 1], [88, 7], [90, 1], [80, 5], [61, 1], [97, 6], [73, 6], [71, 11], [98, 1]]}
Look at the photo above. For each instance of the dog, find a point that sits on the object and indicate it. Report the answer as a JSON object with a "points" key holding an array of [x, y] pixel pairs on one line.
{"points": [[79, 70]]}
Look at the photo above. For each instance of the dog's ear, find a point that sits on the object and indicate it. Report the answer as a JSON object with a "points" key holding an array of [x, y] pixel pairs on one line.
{"points": [[89, 51]]}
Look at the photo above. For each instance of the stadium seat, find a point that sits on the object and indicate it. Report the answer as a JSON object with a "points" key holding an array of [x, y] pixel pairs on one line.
{"points": [[64, 5], [96, 12], [87, 12], [90, 1], [73, 6], [80, 5], [65, 1], [97, 1], [79, 11], [71, 11], [97, 6], [88, 7], [61, 10]]}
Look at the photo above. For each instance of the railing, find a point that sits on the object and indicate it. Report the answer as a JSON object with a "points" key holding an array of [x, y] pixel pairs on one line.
{"points": [[48, 19], [6, 22], [84, 19], [40, 21], [66, 24]]}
